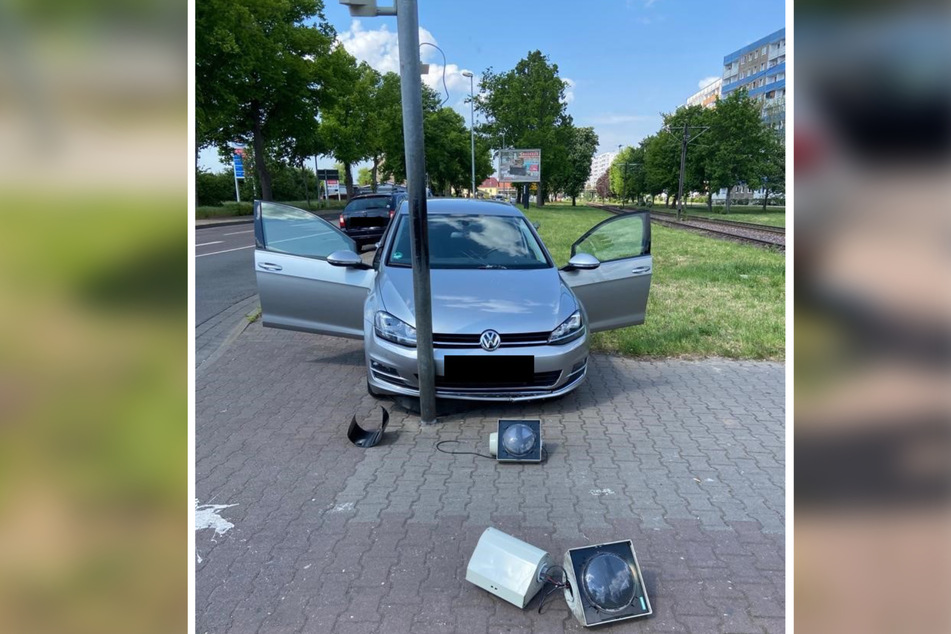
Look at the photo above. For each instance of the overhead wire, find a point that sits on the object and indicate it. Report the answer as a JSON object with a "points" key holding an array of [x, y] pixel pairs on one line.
{"points": [[444, 64]]}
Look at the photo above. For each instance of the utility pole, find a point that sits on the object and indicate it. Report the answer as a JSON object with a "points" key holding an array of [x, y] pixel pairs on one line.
{"points": [[411, 91], [683, 164], [684, 140], [471, 130]]}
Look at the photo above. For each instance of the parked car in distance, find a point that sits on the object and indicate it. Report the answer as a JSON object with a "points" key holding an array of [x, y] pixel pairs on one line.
{"points": [[365, 217], [507, 324]]}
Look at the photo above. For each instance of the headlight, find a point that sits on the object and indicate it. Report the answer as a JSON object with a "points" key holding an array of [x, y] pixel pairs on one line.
{"points": [[570, 329], [392, 329]]}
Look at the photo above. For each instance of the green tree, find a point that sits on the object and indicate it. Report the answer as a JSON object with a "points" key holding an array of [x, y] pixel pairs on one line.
{"points": [[387, 142], [583, 143], [661, 164], [259, 73], [365, 176], [773, 166], [348, 124], [739, 140], [627, 173], [527, 104]]}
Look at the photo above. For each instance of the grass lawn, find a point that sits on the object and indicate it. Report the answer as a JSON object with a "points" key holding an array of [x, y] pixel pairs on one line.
{"points": [[708, 297]]}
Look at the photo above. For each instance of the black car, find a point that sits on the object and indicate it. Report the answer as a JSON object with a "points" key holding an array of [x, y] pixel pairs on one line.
{"points": [[365, 217]]}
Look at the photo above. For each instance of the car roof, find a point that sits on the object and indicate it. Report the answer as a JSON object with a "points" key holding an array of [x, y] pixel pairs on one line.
{"points": [[377, 195], [467, 206]]}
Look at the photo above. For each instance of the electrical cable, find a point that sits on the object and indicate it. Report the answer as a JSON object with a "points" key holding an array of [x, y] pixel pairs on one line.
{"points": [[482, 455], [444, 64], [555, 585], [460, 453]]}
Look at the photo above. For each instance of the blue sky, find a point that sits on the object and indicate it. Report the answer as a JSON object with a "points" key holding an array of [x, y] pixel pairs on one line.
{"points": [[627, 60]]}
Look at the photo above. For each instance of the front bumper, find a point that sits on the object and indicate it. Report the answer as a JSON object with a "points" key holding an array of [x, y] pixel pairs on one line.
{"points": [[392, 369]]}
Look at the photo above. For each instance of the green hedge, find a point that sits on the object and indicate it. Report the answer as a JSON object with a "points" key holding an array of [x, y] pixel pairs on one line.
{"points": [[287, 183]]}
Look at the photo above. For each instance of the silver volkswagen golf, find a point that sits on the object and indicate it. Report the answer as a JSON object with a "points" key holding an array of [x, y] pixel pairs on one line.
{"points": [[507, 324]]}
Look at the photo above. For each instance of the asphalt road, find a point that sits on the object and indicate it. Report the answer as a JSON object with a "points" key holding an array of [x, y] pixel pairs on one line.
{"points": [[224, 267]]}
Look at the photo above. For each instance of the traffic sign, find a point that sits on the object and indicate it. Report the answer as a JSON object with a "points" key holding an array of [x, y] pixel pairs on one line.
{"points": [[238, 165]]}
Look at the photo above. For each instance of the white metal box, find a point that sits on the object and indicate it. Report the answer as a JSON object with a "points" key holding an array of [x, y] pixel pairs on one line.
{"points": [[507, 567]]}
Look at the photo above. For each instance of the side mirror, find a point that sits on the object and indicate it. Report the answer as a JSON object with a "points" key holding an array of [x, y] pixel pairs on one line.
{"points": [[536, 225], [582, 261], [345, 257]]}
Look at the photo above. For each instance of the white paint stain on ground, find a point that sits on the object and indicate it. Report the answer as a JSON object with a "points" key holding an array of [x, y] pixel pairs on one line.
{"points": [[339, 508], [600, 492], [206, 516]]}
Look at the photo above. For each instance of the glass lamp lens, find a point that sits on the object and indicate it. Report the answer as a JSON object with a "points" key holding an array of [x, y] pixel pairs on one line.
{"points": [[518, 440], [608, 582]]}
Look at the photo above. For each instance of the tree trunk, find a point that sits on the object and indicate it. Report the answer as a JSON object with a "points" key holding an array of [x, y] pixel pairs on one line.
{"points": [[259, 166], [765, 198], [348, 179], [540, 196], [573, 201], [373, 174], [729, 198], [710, 201]]}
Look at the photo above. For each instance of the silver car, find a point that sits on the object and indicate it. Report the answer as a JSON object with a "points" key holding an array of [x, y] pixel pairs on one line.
{"points": [[507, 324]]}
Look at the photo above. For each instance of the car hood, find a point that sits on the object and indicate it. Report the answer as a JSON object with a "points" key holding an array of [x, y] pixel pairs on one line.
{"points": [[471, 301]]}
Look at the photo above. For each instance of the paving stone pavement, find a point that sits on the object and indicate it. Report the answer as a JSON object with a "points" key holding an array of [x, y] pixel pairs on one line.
{"points": [[684, 458]]}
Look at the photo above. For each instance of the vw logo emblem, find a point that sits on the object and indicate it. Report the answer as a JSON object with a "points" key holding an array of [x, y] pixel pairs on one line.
{"points": [[490, 340]]}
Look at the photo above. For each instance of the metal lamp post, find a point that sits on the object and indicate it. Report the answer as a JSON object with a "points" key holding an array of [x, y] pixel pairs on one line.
{"points": [[407, 28], [466, 73]]}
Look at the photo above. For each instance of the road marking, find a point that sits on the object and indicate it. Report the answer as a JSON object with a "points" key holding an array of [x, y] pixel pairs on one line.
{"points": [[239, 232], [205, 244], [201, 255]]}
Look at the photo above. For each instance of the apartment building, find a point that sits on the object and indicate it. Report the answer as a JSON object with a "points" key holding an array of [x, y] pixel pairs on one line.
{"points": [[706, 96], [760, 68], [599, 165]]}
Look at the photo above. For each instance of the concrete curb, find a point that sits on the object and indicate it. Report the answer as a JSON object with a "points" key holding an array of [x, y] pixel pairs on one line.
{"points": [[233, 334], [204, 223]]}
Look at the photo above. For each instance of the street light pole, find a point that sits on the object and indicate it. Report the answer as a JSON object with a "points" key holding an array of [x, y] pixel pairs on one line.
{"points": [[411, 92], [471, 128]]}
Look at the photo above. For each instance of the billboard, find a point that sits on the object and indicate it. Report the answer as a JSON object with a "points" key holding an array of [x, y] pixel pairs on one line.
{"points": [[520, 166]]}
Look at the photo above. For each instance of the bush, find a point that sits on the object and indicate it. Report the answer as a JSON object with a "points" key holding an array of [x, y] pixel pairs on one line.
{"points": [[214, 189]]}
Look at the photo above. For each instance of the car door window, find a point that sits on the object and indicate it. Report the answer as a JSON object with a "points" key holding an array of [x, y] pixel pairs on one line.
{"points": [[616, 239], [298, 232]]}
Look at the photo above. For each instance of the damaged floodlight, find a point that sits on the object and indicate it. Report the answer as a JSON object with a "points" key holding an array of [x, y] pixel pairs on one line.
{"points": [[508, 567], [521, 441], [604, 583], [363, 438]]}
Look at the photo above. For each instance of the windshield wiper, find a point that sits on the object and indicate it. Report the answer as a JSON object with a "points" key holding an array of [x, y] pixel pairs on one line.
{"points": [[493, 266]]}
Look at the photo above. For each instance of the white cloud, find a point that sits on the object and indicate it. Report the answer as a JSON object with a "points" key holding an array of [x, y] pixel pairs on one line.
{"points": [[706, 81], [380, 49], [569, 90]]}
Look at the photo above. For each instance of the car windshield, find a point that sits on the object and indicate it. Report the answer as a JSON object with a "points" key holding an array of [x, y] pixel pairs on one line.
{"points": [[359, 204], [473, 242]]}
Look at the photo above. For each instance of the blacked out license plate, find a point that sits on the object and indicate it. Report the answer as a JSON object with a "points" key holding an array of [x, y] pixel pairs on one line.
{"points": [[490, 370]]}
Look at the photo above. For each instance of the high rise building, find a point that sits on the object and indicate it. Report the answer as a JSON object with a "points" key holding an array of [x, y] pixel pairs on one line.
{"points": [[599, 165], [760, 68], [706, 96]]}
